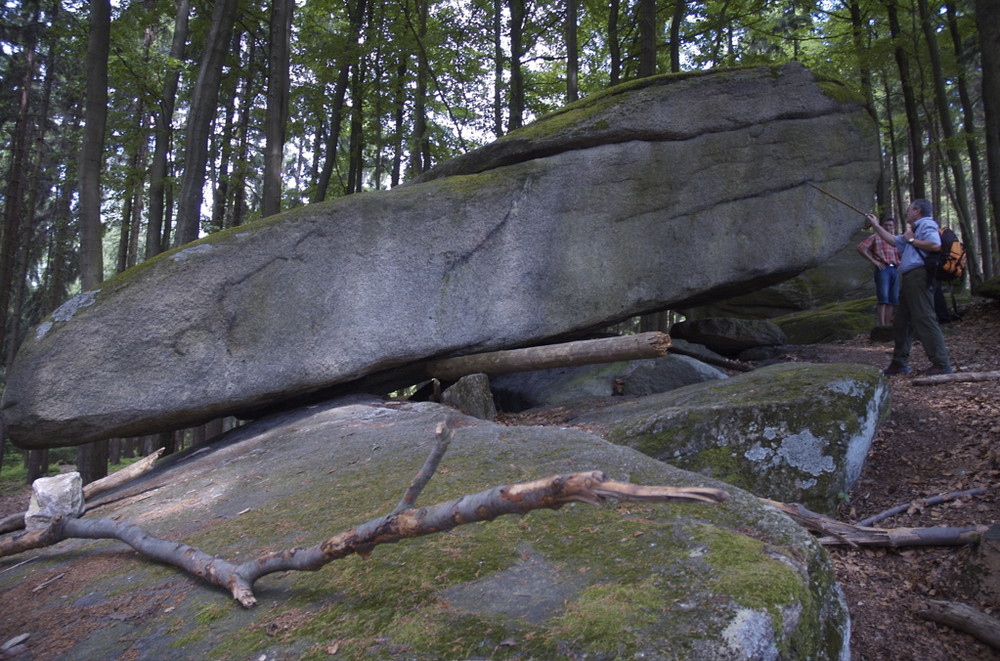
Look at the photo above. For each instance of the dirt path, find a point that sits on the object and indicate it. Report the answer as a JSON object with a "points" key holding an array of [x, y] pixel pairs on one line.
{"points": [[939, 439]]}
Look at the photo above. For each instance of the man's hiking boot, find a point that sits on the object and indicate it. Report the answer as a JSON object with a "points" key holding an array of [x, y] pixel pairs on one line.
{"points": [[896, 369]]}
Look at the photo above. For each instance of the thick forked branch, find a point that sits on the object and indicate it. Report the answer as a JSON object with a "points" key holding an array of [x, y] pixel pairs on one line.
{"points": [[548, 493]]}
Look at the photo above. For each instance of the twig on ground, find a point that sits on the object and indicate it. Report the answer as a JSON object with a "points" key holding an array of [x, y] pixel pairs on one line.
{"points": [[956, 377], [441, 443], [933, 500], [964, 618], [840, 533]]}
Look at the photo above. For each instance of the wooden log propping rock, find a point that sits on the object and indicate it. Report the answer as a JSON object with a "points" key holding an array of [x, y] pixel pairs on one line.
{"points": [[569, 354]]}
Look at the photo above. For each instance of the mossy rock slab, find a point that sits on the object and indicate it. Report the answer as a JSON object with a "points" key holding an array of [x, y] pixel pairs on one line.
{"points": [[737, 580], [837, 321], [794, 432]]}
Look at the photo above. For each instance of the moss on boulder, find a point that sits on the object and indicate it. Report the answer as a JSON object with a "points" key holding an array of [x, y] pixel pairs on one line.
{"points": [[794, 432], [684, 581], [836, 321]]}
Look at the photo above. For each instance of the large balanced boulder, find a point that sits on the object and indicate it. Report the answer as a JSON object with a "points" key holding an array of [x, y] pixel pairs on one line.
{"points": [[794, 432], [845, 276], [713, 582], [662, 193]]}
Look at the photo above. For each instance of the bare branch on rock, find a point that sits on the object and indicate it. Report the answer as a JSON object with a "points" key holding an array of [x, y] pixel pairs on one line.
{"points": [[405, 522]]}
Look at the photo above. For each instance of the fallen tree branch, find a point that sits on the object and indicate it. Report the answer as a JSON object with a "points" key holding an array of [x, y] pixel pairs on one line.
{"points": [[404, 522], [15, 522], [956, 377], [835, 533], [964, 618], [441, 443], [548, 493], [582, 352], [122, 476], [920, 502]]}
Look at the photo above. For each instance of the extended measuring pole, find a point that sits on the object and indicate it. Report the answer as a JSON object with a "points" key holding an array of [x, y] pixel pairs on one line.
{"points": [[846, 204]]}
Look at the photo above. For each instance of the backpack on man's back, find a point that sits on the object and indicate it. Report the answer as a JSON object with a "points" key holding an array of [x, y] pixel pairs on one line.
{"points": [[950, 262], [946, 265]]}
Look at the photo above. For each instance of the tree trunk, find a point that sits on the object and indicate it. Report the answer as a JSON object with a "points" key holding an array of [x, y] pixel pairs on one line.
{"points": [[399, 116], [858, 37], [355, 167], [92, 458], [356, 12], [419, 145], [614, 45], [647, 38], [516, 101], [277, 104], [951, 152], [572, 51], [498, 68], [680, 9], [583, 352], [235, 203], [17, 181], [988, 22], [203, 110], [918, 176], [159, 170]]}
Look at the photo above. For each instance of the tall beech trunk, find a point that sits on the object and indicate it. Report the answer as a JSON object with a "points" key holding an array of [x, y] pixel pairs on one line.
{"points": [[913, 126], [159, 168], [356, 11], [680, 9], [277, 103], [986, 237], [516, 100], [203, 110], [951, 152], [988, 22], [17, 184], [92, 458], [572, 54], [647, 38]]}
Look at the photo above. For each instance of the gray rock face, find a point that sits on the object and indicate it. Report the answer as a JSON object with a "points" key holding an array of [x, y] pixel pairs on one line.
{"points": [[662, 194], [59, 495], [794, 432], [734, 581], [843, 277]]}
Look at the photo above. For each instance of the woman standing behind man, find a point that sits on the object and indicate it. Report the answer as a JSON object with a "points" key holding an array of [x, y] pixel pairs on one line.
{"points": [[884, 256]]}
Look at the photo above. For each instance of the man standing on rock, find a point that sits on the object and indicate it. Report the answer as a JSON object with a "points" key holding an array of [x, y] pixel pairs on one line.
{"points": [[915, 315], [884, 256]]}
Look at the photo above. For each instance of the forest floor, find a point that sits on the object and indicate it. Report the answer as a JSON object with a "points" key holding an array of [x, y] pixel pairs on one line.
{"points": [[939, 439]]}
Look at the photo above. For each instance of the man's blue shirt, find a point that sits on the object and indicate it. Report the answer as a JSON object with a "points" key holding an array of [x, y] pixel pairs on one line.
{"points": [[925, 229]]}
